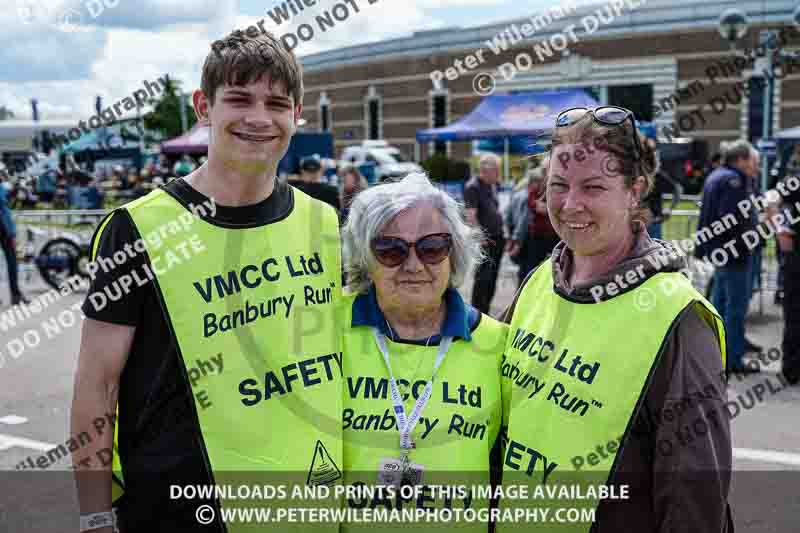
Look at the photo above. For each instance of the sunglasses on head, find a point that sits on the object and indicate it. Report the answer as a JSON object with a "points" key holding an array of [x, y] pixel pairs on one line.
{"points": [[393, 251], [607, 115]]}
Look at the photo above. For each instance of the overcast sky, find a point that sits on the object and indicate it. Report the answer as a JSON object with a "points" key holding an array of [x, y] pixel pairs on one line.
{"points": [[110, 53]]}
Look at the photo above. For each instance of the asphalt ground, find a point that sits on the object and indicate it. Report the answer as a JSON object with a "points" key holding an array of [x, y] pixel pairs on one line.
{"points": [[36, 392]]}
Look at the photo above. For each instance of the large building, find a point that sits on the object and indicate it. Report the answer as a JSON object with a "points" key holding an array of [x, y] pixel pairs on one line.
{"points": [[665, 59]]}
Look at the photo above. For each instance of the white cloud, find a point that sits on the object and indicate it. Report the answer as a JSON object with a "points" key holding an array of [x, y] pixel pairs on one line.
{"points": [[66, 71], [369, 21], [138, 40]]}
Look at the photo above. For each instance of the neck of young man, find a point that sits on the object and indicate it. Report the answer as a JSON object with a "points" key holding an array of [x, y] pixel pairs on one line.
{"points": [[416, 323], [588, 268], [231, 184]]}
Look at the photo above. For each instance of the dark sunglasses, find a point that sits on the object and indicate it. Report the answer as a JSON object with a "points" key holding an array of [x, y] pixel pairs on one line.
{"points": [[608, 115], [393, 251]]}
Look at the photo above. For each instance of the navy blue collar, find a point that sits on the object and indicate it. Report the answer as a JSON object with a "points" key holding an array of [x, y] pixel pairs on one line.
{"points": [[461, 319]]}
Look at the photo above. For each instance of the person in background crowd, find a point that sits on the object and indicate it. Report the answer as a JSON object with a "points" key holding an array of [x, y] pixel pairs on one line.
{"points": [[135, 189], [724, 188], [516, 222], [149, 171], [789, 244], [120, 177], [480, 200], [654, 201], [542, 237], [133, 178], [792, 169], [46, 184], [793, 166], [716, 161], [636, 363], [330, 175], [84, 193], [184, 167], [310, 182], [352, 183], [8, 236], [758, 251], [755, 277], [163, 167]]}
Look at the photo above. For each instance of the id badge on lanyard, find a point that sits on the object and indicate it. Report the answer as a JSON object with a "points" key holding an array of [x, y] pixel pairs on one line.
{"points": [[400, 470]]}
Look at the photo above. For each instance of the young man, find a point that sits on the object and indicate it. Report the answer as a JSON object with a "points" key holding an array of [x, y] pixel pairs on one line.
{"points": [[210, 336]]}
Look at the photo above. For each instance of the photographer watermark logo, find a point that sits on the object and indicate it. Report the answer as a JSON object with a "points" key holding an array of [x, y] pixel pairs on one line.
{"points": [[64, 16]]}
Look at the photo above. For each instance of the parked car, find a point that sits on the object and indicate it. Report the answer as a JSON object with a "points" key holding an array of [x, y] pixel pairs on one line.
{"points": [[389, 161]]}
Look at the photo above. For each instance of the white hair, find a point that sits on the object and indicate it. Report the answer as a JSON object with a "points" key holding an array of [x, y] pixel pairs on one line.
{"points": [[373, 209], [490, 157], [733, 151]]}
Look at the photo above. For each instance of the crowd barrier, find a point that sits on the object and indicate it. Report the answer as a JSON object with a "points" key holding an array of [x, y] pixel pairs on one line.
{"points": [[681, 225]]}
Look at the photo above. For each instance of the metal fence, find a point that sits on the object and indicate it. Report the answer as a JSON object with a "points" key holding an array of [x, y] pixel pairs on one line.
{"points": [[681, 225], [65, 217], [48, 224]]}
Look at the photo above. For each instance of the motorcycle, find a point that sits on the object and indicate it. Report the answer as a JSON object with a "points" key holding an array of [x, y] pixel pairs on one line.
{"points": [[59, 258]]}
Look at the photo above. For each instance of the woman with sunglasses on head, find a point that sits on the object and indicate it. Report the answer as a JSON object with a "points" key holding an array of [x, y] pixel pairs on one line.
{"points": [[621, 360], [422, 379]]}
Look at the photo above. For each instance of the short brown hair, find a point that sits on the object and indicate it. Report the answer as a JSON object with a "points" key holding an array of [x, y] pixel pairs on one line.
{"points": [[240, 60]]}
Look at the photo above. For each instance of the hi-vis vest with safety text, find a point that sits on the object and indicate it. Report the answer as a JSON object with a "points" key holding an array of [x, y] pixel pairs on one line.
{"points": [[261, 302], [574, 377], [456, 432]]}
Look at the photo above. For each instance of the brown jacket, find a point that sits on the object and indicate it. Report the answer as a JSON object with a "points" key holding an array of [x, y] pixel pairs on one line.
{"points": [[677, 455]]}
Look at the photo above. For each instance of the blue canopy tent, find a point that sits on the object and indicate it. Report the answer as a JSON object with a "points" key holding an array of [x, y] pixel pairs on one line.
{"points": [[521, 144], [529, 145], [787, 140], [100, 139], [115, 143], [510, 116]]}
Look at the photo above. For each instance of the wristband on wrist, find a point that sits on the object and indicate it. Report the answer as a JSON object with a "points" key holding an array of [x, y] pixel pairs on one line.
{"points": [[90, 522]]}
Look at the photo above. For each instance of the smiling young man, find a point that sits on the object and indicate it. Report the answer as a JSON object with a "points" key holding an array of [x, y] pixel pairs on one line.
{"points": [[181, 345]]}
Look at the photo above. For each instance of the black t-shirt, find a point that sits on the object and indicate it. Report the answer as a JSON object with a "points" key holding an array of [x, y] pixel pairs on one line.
{"points": [[478, 195], [159, 440]]}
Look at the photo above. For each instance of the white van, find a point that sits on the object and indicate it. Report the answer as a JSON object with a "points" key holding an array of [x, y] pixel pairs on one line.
{"points": [[389, 161]]}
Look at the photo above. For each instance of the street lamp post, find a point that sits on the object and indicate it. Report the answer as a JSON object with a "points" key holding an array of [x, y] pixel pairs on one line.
{"points": [[767, 37], [182, 107], [733, 24]]}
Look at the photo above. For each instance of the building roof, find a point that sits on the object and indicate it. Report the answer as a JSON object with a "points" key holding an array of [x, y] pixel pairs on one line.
{"points": [[637, 17]]}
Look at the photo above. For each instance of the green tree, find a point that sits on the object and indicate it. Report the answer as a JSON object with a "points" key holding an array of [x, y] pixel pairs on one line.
{"points": [[5, 113], [166, 115]]}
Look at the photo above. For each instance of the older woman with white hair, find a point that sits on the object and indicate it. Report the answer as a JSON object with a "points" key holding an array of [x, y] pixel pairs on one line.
{"points": [[422, 368]]}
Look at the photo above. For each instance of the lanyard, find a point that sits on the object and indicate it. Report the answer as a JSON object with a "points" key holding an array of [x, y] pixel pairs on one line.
{"points": [[406, 424]]}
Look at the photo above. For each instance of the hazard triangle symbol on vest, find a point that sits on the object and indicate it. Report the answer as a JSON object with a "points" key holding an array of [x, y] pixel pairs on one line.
{"points": [[323, 470]]}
